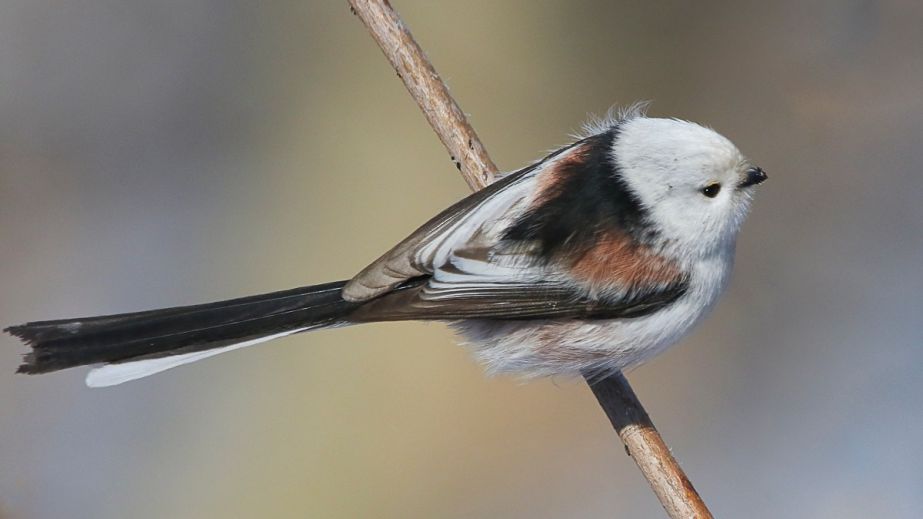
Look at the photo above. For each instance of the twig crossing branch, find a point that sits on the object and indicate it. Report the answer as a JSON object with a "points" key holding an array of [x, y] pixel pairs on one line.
{"points": [[618, 400]]}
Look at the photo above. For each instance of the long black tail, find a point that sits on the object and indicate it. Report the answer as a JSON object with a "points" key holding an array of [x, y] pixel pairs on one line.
{"points": [[175, 331]]}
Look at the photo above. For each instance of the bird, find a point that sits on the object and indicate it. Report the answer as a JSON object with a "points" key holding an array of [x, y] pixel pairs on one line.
{"points": [[592, 260]]}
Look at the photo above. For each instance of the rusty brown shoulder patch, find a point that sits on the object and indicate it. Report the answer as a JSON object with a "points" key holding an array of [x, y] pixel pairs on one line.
{"points": [[617, 259], [551, 181]]}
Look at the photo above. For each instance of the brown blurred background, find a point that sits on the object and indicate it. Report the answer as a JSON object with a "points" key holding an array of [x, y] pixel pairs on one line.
{"points": [[155, 153]]}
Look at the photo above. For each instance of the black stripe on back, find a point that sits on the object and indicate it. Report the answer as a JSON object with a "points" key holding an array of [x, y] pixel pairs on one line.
{"points": [[591, 196]]}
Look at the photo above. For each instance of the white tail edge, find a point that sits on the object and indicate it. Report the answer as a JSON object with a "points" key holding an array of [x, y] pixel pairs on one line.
{"points": [[114, 374]]}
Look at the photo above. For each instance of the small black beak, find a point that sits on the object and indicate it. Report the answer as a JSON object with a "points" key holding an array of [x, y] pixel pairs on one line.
{"points": [[753, 177]]}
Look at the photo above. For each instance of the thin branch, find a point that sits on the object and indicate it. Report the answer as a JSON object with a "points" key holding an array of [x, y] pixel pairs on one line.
{"points": [[618, 400], [645, 445], [428, 90]]}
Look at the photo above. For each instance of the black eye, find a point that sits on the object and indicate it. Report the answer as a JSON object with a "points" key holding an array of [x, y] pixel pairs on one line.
{"points": [[711, 190]]}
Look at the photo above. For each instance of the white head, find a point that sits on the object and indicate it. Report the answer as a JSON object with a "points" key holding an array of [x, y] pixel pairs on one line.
{"points": [[694, 183]]}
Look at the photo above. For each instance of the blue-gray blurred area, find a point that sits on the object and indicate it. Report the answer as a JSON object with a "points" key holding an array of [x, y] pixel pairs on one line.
{"points": [[164, 152]]}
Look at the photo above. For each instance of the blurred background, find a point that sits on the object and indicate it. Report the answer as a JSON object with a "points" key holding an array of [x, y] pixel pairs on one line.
{"points": [[155, 153]]}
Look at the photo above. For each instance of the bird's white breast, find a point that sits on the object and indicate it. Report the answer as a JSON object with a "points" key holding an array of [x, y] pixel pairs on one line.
{"points": [[543, 348]]}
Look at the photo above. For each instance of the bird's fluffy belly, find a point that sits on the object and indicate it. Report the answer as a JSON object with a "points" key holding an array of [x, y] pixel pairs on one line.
{"points": [[543, 348], [546, 347]]}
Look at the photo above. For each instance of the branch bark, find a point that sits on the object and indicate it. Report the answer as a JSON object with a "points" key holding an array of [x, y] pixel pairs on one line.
{"points": [[428, 90], [645, 445], [634, 427]]}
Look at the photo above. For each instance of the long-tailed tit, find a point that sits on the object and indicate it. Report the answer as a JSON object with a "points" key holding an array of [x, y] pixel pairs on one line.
{"points": [[596, 258]]}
